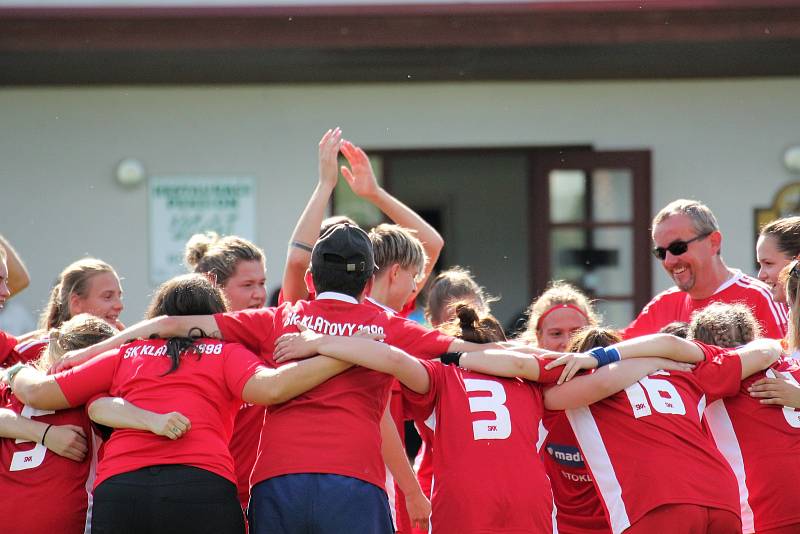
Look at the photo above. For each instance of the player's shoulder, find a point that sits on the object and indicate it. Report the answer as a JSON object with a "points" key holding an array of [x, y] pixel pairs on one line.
{"points": [[743, 285], [667, 297]]}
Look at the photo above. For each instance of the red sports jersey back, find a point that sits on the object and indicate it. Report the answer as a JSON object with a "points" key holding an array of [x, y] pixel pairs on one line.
{"points": [[43, 492], [334, 428], [487, 476], [761, 442], [645, 446]]}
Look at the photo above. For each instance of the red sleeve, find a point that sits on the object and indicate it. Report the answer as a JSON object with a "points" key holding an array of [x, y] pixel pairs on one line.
{"points": [[720, 374], [415, 339], [86, 381], [644, 323], [240, 366], [251, 328], [421, 404], [7, 344], [548, 376]]}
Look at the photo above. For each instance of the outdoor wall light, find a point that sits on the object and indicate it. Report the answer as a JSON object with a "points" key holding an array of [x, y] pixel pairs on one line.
{"points": [[130, 172], [791, 158]]}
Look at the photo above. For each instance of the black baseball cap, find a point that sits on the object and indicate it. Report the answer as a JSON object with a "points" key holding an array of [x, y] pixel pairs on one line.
{"points": [[344, 247]]}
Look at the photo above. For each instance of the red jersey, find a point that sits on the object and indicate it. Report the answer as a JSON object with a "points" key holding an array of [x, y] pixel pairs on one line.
{"points": [[31, 350], [206, 389], [43, 492], [646, 447], [762, 443], [244, 446], [579, 509], [486, 429], [7, 344], [676, 305], [335, 427]]}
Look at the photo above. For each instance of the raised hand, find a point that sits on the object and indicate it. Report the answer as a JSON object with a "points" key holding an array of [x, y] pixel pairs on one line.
{"points": [[359, 176], [329, 158]]}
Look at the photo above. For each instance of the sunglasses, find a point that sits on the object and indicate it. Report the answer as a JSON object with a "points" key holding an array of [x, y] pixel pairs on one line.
{"points": [[676, 248]]}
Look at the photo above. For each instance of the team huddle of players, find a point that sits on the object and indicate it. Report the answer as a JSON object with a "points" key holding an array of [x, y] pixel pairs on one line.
{"points": [[685, 421]]}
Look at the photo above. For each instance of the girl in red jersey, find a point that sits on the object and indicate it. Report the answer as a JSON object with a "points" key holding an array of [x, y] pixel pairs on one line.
{"points": [[237, 266], [756, 438], [492, 466], [89, 286], [147, 483], [553, 318], [28, 470]]}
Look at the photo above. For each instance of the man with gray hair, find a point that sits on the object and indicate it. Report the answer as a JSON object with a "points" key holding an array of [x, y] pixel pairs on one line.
{"points": [[688, 243]]}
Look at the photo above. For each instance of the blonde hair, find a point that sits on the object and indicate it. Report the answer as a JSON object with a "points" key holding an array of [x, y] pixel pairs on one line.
{"points": [[210, 253], [79, 332], [558, 293], [592, 336], [724, 325], [392, 244], [451, 286], [73, 280]]}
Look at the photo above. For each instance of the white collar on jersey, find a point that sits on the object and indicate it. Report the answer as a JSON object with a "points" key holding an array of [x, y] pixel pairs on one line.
{"points": [[332, 295], [736, 274], [381, 305]]}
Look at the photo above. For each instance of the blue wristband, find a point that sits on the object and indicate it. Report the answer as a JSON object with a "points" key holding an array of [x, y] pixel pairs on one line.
{"points": [[604, 356]]}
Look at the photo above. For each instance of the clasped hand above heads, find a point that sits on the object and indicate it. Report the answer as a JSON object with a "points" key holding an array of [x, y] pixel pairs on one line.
{"points": [[305, 343]]}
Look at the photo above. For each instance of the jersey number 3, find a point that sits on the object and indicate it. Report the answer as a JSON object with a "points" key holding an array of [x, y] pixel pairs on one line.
{"points": [[661, 396], [34, 457], [500, 426]]}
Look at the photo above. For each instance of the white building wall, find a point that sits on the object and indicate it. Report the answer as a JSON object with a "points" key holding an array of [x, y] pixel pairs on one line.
{"points": [[720, 141]]}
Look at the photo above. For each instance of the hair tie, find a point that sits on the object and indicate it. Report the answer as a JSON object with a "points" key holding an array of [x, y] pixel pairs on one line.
{"points": [[561, 307]]}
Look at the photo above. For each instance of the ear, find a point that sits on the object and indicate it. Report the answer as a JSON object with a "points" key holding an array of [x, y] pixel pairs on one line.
{"points": [[309, 280], [211, 277], [367, 288], [394, 272], [75, 305], [716, 241]]}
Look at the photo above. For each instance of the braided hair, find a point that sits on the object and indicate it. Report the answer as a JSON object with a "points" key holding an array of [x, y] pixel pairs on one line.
{"points": [[724, 325]]}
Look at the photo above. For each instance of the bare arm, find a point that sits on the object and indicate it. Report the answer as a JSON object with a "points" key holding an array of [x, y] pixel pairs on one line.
{"points": [[306, 232], [18, 277], [38, 390], [394, 456], [613, 378], [164, 326], [758, 355], [502, 363], [274, 386], [362, 181], [116, 412], [654, 345], [358, 351], [68, 441]]}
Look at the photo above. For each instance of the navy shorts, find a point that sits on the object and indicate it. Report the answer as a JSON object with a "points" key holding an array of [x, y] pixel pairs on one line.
{"points": [[316, 503]]}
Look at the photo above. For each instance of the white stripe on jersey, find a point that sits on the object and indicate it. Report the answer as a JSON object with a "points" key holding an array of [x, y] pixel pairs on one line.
{"points": [[596, 455], [719, 422], [701, 407], [778, 310], [542, 436], [391, 494], [25, 345], [96, 442], [553, 519]]}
